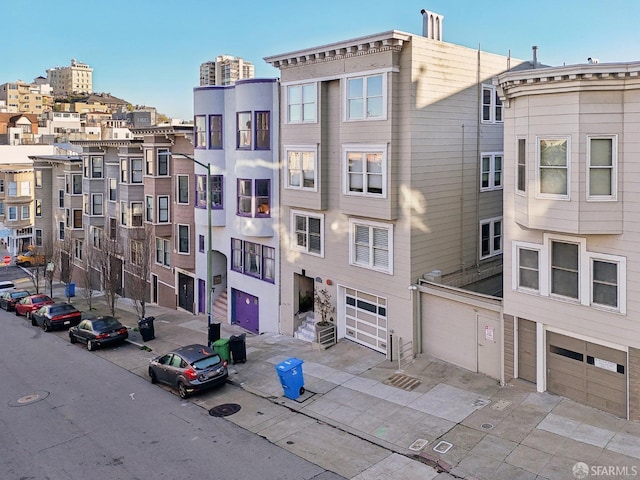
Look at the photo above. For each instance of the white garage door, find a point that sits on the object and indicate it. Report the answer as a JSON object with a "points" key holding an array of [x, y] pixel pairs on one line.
{"points": [[366, 319]]}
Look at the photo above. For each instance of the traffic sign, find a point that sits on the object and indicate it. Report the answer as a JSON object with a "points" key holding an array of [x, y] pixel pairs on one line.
{"points": [[6, 259]]}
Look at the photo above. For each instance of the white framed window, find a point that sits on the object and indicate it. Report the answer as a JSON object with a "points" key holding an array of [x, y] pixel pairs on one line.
{"points": [[365, 170], [490, 237], [96, 237], [366, 98], [163, 252], [136, 170], [526, 274], [124, 168], [553, 167], [25, 212], [182, 189], [96, 167], [77, 218], [38, 234], [96, 204], [113, 190], [163, 209], [137, 212], [2, 208], [521, 174], [608, 282], [163, 162], [307, 232], [76, 184], [13, 189], [38, 178], [183, 238], [38, 207], [491, 105], [25, 188], [149, 208], [301, 103], [124, 213], [565, 269], [491, 171], [301, 169], [371, 245], [602, 157], [77, 252]]}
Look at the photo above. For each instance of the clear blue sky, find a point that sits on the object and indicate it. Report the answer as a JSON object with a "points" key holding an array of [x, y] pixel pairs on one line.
{"points": [[149, 51]]}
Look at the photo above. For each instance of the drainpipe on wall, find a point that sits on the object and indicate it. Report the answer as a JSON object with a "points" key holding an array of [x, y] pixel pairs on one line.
{"points": [[417, 318]]}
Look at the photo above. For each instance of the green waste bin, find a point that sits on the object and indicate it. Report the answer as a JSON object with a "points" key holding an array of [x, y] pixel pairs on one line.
{"points": [[221, 347]]}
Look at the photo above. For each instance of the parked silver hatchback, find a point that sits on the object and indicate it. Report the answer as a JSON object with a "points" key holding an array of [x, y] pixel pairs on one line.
{"points": [[189, 369]]}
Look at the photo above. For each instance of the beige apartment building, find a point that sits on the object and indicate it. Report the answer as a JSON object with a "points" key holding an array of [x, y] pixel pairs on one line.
{"points": [[391, 146], [571, 276], [77, 78], [225, 70], [22, 97]]}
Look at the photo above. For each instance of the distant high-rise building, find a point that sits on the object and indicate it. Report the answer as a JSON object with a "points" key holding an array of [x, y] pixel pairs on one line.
{"points": [[77, 78], [225, 70]]}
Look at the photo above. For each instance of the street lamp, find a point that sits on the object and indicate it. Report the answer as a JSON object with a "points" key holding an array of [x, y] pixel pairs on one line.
{"points": [[209, 249]]}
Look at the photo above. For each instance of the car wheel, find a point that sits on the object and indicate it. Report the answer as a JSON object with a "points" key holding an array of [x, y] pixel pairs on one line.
{"points": [[152, 374], [35, 324], [45, 326], [90, 345], [72, 338], [26, 264], [182, 390]]}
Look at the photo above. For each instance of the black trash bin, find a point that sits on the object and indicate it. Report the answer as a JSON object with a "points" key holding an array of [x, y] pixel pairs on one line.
{"points": [[214, 333], [145, 325], [238, 348]]}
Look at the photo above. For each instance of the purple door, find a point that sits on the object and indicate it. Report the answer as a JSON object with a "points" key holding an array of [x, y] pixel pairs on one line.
{"points": [[202, 296], [245, 310]]}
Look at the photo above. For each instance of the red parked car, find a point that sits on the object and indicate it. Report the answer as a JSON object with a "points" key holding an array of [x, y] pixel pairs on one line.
{"points": [[32, 303]]}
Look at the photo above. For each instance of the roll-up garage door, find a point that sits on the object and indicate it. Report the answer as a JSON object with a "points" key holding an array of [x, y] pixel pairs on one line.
{"points": [[587, 373]]}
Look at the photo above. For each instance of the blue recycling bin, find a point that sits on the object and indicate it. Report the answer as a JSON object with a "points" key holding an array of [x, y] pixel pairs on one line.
{"points": [[70, 289], [290, 374]]}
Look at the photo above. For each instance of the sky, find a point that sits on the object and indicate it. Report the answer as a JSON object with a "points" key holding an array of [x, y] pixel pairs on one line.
{"points": [[148, 52]]}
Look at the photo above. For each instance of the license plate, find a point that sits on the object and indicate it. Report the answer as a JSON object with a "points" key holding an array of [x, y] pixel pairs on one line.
{"points": [[113, 334], [67, 322]]}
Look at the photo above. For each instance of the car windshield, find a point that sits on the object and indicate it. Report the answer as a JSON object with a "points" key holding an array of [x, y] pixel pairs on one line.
{"points": [[58, 309], [106, 323], [206, 362], [20, 294], [40, 299]]}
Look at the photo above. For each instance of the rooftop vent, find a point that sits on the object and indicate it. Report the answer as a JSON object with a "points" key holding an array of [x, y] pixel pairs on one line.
{"points": [[431, 25]]}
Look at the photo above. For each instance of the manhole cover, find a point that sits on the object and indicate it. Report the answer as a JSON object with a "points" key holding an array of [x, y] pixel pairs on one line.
{"points": [[224, 410], [487, 426], [405, 382], [29, 399]]}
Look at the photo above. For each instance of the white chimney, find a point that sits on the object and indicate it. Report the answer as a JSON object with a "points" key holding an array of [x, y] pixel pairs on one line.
{"points": [[431, 25]]}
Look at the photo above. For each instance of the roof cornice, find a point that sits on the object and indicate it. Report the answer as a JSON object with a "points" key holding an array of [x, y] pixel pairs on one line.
{"points": [[391, 40]]}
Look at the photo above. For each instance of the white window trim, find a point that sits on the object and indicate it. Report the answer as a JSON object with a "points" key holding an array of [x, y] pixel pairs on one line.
{"points": [[492, 107], [93, 214], [316, 176], [361, 148], [315, 119], [519, 192], [345, 98], [178, 177], [515, 270], [583, 266], [614, 169], [352, 253], [294, 243], [188, 252], [492, 171], [538, 193], [168, 210], [491, 222], [622, 281], [22, 211]]}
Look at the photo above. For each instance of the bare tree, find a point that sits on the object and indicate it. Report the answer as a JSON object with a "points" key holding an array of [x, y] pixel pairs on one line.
{"points": [[140, 253], [324, 306], [37, 271], [65, 259], [49, 252], [108, 260], [89, 259]]}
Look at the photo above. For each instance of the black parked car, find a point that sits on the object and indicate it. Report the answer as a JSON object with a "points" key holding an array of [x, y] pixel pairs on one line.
{"points": [[56, 315], [189, 369], [9, 298], [99, 331]]}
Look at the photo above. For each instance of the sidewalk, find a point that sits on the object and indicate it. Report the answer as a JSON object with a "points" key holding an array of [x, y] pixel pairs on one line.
{"points": [[363, 419]]}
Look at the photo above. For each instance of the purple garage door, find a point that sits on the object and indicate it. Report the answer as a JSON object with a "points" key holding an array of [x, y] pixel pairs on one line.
{"points": [[245, 310], [202, 296]]}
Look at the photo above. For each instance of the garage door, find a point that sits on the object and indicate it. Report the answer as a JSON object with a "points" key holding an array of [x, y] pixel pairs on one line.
{"points": [[366, 319], [527, 350], [587, 373], [450, 331]]}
